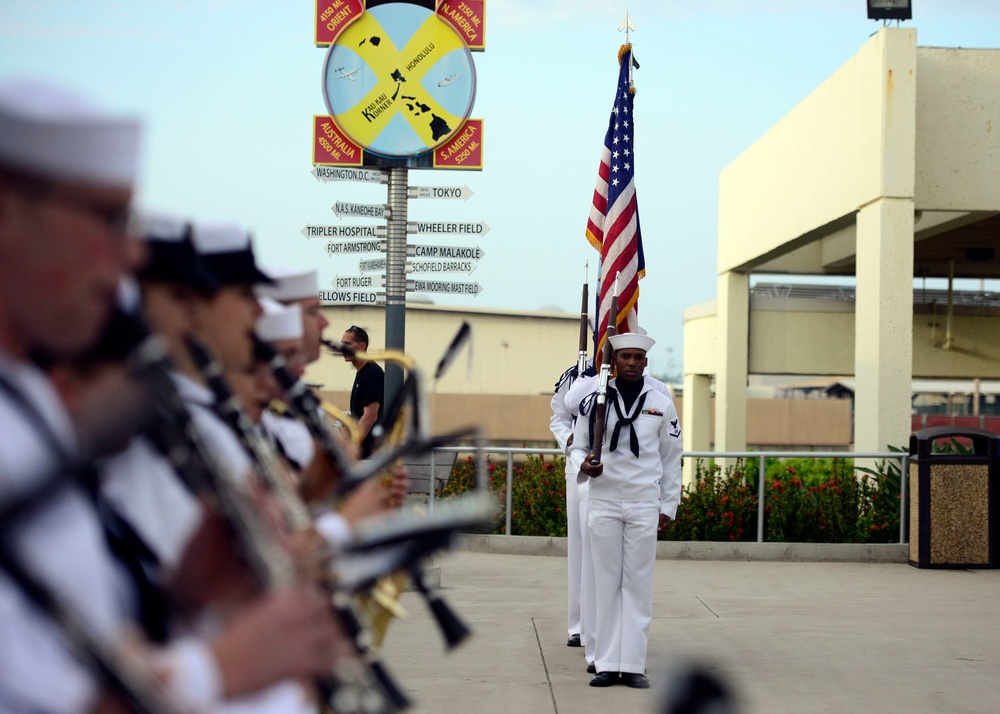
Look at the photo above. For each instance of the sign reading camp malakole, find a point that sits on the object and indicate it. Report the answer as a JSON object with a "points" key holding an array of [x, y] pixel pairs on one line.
{"points": [[454, 252]]}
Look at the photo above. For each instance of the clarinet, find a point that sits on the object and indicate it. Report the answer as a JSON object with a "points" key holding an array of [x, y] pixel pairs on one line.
{"points": [[176, 437], [136, 686], [305, 406], [365, 690]]}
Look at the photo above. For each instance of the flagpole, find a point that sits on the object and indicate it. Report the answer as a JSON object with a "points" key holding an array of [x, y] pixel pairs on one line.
{"points": [[627, 25], [613, 223]]}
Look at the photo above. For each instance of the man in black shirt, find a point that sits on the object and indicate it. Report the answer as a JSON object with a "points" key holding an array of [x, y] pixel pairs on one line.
{"points": [[368, 392]]}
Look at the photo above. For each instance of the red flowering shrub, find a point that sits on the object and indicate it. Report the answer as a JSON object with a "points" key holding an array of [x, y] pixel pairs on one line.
{"points": [[716, 506], [825, 502], [538, 498], [840, 508]]}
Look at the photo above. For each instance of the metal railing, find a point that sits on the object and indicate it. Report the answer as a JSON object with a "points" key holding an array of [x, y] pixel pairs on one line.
{"points": [[904, 468], [762, 456]]}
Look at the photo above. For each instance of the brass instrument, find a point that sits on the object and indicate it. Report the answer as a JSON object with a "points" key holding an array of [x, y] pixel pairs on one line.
{"points": [[344, 419], [408, 409]]}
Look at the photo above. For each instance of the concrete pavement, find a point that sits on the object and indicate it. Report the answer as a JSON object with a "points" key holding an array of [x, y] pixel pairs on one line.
{"points": [[785, 636]]}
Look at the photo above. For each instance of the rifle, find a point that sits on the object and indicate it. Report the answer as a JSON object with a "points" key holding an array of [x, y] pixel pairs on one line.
{"points": [[601, 409], [581, 360]]}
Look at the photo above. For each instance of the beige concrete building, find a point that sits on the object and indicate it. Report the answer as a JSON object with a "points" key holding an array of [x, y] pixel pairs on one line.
{"points": [[503, 381], [887, 171]]}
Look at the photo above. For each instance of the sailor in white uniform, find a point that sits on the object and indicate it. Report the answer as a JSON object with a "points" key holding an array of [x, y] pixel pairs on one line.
{"points": [[634, 491], [561, 426]]}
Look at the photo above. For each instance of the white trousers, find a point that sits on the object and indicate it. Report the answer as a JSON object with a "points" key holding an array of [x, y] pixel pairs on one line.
{"points": [[574, 552], [588, 594], [623, 549]]}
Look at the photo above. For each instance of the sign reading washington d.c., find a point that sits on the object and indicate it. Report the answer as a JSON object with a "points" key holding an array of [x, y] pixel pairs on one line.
{"points": [[399, 82]]}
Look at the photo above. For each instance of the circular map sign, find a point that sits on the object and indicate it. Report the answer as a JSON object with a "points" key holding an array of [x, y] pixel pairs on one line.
{"points": [[399, 81]]}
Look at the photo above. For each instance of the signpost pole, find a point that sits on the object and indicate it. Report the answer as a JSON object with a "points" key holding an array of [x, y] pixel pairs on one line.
{"points": [[395, 278]]}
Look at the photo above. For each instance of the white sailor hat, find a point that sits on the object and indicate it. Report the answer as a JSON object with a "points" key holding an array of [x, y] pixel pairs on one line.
{"points": [[289, 283], [227, 250], [632, 341], [48, 131], [279, 322], [170, 255]]}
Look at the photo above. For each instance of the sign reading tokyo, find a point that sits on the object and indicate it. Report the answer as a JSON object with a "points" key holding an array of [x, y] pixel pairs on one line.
{"points": [[399, 80]]}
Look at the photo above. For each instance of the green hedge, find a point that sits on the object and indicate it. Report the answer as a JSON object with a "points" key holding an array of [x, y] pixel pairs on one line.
{"points": [[807, 500]]}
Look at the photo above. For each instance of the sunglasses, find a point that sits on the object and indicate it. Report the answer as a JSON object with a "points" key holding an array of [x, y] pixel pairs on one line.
{"points": [[359, 333]]}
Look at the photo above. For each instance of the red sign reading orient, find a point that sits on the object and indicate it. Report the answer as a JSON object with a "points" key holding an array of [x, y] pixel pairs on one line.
{"points": [[332, 16], [466, 16]]}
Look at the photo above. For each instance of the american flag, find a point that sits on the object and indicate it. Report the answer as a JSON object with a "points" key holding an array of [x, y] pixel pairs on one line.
{"points": [[613, 225]]}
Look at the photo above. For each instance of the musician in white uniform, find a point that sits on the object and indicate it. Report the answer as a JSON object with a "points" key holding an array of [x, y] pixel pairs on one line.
{"points": [[299, 287], [66, 178], [634, 491]]}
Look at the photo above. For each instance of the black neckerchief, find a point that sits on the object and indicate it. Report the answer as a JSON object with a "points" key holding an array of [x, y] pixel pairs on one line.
{"points": [[123, 541], [629, 392]]}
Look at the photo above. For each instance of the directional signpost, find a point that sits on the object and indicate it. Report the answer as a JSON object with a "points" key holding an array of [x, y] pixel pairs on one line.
{"points": [[353, 297], [364, 210], [343, 173], [399, 85], [356, 282], [355, 246], [456, 252], [446, 228], [441, 286], [459, 192], [312, 231], [373, 265], [442, 266]]}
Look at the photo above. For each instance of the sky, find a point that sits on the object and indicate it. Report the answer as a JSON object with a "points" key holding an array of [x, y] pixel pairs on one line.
{"points": [[227, 90]]}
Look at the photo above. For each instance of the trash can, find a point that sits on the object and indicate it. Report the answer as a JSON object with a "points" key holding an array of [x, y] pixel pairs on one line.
{"points": [[954, 514]]}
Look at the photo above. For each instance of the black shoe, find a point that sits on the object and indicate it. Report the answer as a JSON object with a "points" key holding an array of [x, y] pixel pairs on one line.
{"points": [[591, 669], [604, 679], [636, 681], [574, 641]]}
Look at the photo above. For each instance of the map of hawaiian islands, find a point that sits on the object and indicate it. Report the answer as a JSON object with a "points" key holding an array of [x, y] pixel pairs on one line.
{"points": [[438, 126]]}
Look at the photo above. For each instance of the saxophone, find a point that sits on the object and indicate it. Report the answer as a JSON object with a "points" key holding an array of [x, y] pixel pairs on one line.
{"points": [[408, 409]]}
